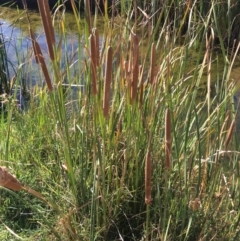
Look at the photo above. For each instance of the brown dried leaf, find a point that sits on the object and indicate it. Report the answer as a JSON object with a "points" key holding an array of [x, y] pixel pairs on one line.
{"points": [[8, 180]]}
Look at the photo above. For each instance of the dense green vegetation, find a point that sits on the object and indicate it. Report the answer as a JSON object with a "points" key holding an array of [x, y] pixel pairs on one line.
{"points": [[146, 149]]}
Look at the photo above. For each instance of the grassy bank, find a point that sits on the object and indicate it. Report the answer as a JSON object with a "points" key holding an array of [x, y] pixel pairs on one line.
{"points": [[141, 152]]}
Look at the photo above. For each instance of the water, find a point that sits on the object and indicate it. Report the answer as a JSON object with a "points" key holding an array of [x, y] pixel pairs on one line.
{"points": [[14, 29]]}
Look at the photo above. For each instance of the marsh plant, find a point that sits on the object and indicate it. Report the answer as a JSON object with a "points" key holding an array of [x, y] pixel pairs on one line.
{"points": [[150, 152]]}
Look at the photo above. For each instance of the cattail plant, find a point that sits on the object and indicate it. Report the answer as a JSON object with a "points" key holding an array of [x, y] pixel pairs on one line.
{"points": [[108, 80], [152, 63], [40, 60], [45, 13], [50, 40], [135, 70], [141, 87], [148, 177], [93, 56]]}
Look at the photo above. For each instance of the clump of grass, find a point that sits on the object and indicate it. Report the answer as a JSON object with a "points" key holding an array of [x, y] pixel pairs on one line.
{"points": [[141, 156]]}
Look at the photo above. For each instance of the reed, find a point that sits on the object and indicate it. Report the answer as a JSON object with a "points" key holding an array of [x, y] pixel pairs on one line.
{"points": [[140, 156], [41, 61], [135, 68], [97, 47], [93, 54], [47, 25], [152, 63], [36, 47], [107, 83]]}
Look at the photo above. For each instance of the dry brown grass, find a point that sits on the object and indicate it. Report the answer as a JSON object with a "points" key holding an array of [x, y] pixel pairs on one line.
{"points": [[8, 180]]}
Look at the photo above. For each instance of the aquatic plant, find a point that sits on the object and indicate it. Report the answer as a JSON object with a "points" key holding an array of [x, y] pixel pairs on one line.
{"points": [[148, 154]]}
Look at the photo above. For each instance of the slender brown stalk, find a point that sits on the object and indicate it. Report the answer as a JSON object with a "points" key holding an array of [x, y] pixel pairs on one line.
{"points": [[41, 60], [93, 64], [33, 192], [34, 45], [47, 25], [135, 70], [108, 80], [148, 177], [230, 134], [36, 48], [152, 63], [167, 139]]}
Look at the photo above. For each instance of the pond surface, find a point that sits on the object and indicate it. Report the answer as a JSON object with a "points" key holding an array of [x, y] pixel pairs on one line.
{"points": [[14, 31]]}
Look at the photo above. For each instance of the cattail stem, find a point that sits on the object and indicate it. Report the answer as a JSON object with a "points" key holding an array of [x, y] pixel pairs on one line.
{"points": [[40, 60], [93, 64], [148, 177], [34, 45], [45, 13], [152, 63], [135, 71], [108, 80], [141, 87], [43, 66]]}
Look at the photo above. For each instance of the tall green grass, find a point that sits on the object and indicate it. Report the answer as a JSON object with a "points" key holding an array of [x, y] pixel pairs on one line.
{"points": [[144, 153]]}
